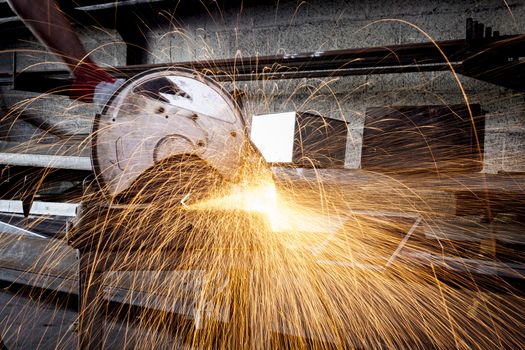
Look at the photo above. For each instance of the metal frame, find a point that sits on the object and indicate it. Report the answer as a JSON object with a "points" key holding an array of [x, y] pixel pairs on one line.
{"points": [[495, 60]]}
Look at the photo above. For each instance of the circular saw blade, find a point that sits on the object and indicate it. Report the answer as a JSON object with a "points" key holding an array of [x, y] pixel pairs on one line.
{"points": [[177, 181], [161, 117]]}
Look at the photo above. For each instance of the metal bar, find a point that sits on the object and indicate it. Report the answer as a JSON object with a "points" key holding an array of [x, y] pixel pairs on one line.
{"points": [[103, 5], [488, 32], [284, 72], [388, 56], [397, 55], [363, 61], [334, 73], [40, 208], [15, 230], [475, 28], [403, 242], [480, 30], [470, 29], [11, 19], [46, 161]]}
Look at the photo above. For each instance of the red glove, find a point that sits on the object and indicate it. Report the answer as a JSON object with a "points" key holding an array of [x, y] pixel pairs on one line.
{"points": [[87, 75]]}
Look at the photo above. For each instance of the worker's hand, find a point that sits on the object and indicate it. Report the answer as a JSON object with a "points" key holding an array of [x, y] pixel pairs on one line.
{"points": [[104, 91], [87, 76]]}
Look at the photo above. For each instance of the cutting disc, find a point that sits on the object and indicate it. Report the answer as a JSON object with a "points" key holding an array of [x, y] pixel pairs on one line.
{"points": [[168, 131]]}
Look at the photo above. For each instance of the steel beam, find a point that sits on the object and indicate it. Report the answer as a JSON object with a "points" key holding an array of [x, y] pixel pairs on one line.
{"points": [[460, 55]]}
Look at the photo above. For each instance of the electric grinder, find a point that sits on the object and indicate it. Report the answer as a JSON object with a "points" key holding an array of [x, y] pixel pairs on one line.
{"points": [[164, 122], [166, 139]]}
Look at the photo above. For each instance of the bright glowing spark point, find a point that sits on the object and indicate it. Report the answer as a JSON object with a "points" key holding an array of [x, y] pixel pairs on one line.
{"points": [[262, 199], [183, 201], [282, 215]]}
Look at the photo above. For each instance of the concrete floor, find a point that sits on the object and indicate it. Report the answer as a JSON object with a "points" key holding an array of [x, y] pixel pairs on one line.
{"points": [[29, 323]]}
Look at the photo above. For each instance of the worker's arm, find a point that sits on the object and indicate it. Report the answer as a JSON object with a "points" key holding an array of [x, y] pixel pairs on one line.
{"points": [[49, 24]]}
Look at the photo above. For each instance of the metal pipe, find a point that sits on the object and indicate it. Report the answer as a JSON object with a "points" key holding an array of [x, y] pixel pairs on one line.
{"points": [[46, 161]]}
